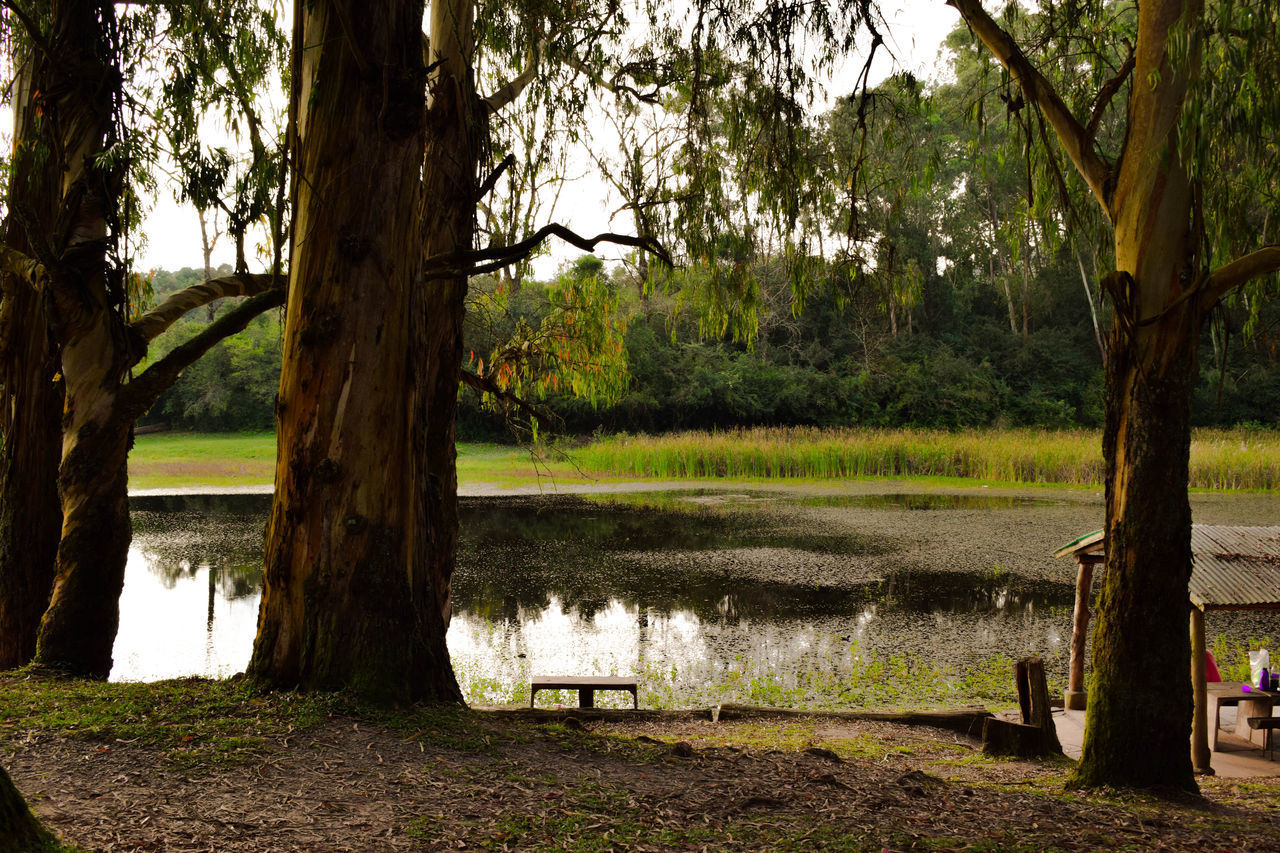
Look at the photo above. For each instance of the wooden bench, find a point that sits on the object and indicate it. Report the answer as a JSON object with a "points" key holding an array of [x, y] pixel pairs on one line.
{"points": [[586, 685], [1268, 725]]}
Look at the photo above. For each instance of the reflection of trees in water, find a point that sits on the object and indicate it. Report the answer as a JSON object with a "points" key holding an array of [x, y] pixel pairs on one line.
{"points": [[516, 554], [623, 526], [501, 583], [178, 540]]}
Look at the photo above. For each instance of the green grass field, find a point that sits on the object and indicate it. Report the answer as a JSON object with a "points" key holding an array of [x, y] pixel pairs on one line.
{"points": [[1220, 459]]}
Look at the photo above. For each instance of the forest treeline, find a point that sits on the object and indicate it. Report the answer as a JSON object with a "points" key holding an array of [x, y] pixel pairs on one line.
{"points": [[959, 365], [969, 300]]}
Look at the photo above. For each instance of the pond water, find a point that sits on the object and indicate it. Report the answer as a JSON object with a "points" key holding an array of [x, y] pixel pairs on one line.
{"points": [[769, 596]]}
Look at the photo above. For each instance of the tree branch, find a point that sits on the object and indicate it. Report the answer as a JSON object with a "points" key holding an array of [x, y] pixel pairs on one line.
{"points": [[1239, 272], [512, 89], [1106, 93], [30, 24], [489, 182], [1075, 139], [485, 385], [614, 85], [487, 260], [145, 388], [164, 315]]}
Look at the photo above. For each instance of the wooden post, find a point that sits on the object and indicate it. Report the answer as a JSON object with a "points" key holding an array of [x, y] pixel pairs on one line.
{"points": [[1036, 735], [1075, 696], [1200, 755]]}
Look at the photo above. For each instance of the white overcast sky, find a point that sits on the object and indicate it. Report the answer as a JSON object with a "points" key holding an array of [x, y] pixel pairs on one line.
{"points": [[916, 28]]}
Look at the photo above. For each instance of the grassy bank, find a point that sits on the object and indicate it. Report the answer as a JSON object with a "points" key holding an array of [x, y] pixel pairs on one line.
{"points": [[173, 460], [1220, 459]]}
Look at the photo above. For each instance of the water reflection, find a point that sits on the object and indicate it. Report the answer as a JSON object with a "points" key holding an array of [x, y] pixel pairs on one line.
{"points": [[190, 600], [707, 597]]}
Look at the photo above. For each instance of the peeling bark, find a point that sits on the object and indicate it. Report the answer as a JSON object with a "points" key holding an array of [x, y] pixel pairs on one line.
{"points": [[30, 514], [352, 588]]}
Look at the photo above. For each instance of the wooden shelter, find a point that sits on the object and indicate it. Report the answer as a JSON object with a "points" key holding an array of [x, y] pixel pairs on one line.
{"points": [[1232, 568]]}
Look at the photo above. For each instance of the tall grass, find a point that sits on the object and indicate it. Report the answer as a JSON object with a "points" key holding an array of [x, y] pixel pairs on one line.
{"points": [[1220, 459]]}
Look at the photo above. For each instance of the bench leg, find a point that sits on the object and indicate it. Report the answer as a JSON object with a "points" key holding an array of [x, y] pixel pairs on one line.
{"points": [[587, 698]]}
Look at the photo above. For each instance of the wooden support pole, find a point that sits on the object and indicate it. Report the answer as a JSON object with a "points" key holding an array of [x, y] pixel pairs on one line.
{"points": [[1075, 695], [1200, 719]]}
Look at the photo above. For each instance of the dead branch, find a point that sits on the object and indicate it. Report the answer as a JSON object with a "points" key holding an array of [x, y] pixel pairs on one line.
{"points": [[481, 261], [1107, 92]]}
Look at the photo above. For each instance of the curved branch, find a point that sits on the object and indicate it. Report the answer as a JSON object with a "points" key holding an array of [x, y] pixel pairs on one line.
{"points": [[30, 24], [494, 258], [512, 89], [164, 315], [1075, 139], [145, 388], [1239, 272], [615, 85]]}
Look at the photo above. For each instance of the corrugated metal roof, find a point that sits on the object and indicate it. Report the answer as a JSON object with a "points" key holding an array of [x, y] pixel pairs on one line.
{"points": [[1082, 544], [1235, 566], [1231, 567]]}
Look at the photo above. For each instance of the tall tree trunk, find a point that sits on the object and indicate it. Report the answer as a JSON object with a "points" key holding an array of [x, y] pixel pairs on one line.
{"points": [[30, 515], [1138, 716], [456, 131], [346, 603], [206, 249], [1141, 636], [97, 348]]}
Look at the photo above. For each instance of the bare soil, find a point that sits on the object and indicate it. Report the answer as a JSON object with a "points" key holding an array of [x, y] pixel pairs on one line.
{"points": [[673, 782]]}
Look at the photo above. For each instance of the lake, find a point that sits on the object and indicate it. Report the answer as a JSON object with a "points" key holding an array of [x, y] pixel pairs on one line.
{"points": [[869, 594]]}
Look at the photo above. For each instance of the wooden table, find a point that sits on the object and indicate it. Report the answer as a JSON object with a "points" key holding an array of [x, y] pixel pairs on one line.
{"points": [[1255, 703]]}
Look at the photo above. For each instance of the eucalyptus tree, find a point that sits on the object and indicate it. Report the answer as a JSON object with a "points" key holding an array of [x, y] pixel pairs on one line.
{"points": [[70, 188], [363, 529], [1198, 97]]}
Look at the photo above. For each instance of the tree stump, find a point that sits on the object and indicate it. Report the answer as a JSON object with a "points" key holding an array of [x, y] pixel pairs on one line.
{"points": [[20, 831], [1035, 736]]}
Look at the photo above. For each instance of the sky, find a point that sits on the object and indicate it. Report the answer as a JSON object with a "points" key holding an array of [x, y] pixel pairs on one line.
{"points": [[915, 30]]}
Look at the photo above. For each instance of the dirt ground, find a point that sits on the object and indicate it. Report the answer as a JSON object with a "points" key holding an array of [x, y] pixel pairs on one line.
{"points": [[667, 784]]}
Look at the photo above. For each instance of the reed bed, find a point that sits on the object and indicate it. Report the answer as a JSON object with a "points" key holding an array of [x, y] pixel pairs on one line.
{"points": [[1220, 459]]}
